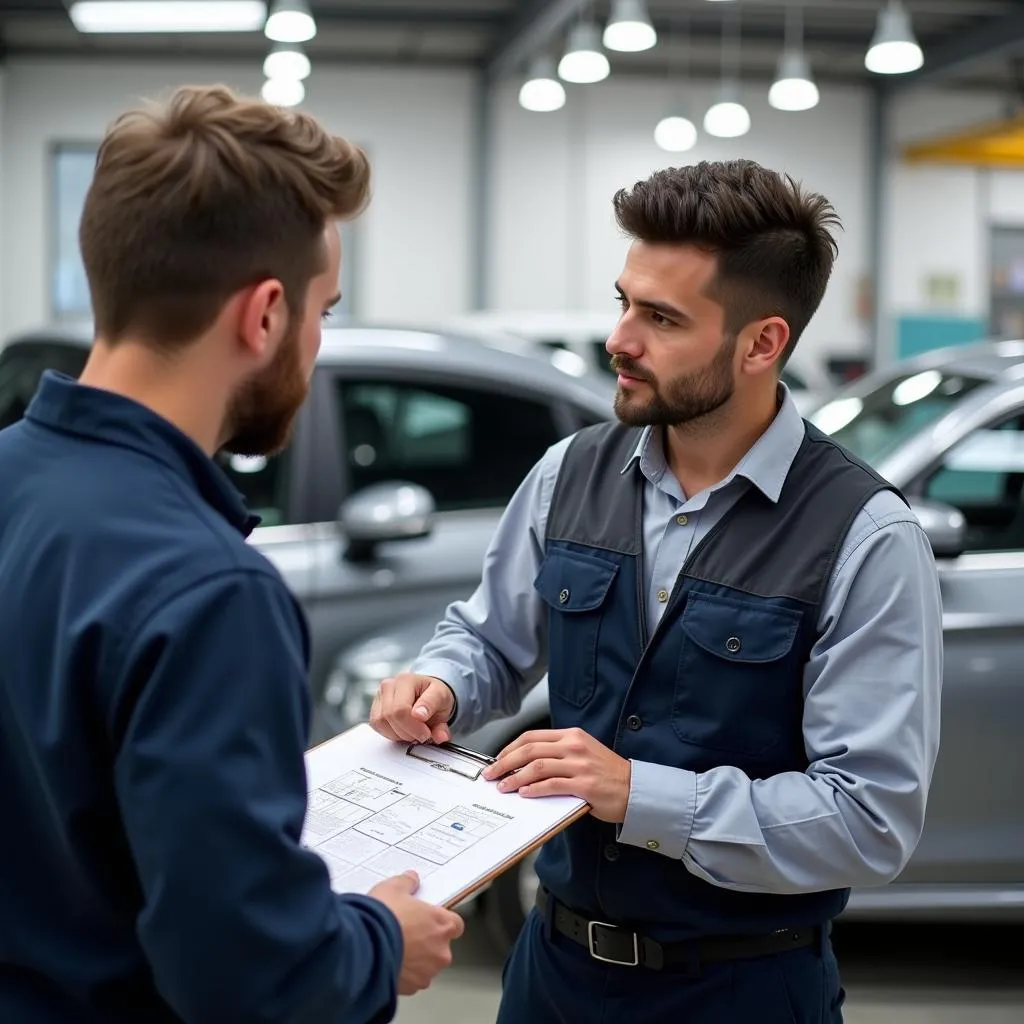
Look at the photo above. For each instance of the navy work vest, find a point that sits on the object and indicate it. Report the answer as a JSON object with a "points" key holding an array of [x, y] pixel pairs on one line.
{"points": [[720, 682]]}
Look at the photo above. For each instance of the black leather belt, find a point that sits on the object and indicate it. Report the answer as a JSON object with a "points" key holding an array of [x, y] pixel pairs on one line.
{"points": [[613, 944]]}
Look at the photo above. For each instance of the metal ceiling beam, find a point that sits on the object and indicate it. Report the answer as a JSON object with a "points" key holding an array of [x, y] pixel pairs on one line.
{"points": [[995, 38], [532, 28]]}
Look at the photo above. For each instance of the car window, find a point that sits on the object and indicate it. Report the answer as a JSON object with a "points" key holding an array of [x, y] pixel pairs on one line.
{"points": [[983, 476], [875, 424], [263, 482], [469, 447]]}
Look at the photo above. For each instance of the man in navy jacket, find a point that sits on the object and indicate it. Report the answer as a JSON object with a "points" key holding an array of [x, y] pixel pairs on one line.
{"points": [[153, 697]]}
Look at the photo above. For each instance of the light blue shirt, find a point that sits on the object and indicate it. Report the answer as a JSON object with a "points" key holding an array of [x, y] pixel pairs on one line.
{"points": [[871, 686]]}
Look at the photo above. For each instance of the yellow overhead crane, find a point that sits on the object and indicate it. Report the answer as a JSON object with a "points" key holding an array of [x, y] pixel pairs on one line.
{"points": [[993, 144]]}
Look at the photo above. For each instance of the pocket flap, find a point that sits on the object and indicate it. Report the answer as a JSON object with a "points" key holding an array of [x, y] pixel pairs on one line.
{"points": [[740, 631], [573, 582]]}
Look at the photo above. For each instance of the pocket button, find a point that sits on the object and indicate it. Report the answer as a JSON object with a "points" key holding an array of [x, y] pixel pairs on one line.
{"points": [[634, 722], [563, 596], [733, 645]]}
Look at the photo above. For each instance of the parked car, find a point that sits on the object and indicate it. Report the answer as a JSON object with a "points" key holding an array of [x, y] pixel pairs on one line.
{"points": [[948, 429], [575, 340], [382, 506]]}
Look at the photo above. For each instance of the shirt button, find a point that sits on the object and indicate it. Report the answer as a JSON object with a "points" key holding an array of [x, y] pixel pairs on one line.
{"points": [[682, 520], [563, 596], [662, 596], [634, 722], [611, 852], [653, 844], [732, 645]]}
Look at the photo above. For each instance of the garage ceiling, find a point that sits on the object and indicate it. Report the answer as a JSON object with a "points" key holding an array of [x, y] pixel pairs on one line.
{"points": [[973, 42]]}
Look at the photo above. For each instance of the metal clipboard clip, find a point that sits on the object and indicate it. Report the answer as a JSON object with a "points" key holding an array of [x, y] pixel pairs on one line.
{"points": [[449, 757]]}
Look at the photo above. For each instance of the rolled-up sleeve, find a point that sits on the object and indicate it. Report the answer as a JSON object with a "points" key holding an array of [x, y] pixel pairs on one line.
{"points": [[871, 730], [238, 921], [491, 648]]}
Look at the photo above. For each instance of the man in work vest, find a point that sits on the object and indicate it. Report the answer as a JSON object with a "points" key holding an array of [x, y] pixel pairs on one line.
{"points": [[741, 625]]}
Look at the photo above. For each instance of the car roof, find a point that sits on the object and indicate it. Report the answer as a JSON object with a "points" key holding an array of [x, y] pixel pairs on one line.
{"points": [[402, 347]]}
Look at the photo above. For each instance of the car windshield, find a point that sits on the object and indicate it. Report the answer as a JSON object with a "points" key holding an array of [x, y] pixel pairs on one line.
{"points": [[875, 424]]}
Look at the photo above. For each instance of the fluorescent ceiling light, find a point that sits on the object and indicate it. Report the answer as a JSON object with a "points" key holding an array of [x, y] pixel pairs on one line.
{"points": [[290, 21], [584, 63], [541, 91], [675, 134], [168, 15], [283, 92], [629, 29], [893, 50], [793, 88], [287, 60]]}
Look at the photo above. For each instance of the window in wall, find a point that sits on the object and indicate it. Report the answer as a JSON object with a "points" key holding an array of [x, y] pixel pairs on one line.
{"points": [[983, 476], [470, 448], [71, 173]]}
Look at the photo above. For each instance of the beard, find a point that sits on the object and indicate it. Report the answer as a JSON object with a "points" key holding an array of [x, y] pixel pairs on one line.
{"points": [[263, 410], [682, 399]]}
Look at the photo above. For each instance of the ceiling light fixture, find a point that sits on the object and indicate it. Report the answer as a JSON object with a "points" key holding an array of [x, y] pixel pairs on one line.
{"points": [[283, 92], [542, 92], [674, 132], [629, 30], [290, 21], [145, 16], [287, 60], [793, 88], [894, 50], [728, 118], [584, 63]]}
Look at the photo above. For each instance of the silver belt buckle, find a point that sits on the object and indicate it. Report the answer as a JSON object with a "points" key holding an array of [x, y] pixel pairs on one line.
{"points": [[592, 942]]}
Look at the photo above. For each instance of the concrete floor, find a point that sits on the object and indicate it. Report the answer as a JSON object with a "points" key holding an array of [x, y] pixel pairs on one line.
{"points": [[893, 974]]}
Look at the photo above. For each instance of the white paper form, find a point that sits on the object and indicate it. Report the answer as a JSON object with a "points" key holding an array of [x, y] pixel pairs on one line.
{"points": [[375, 811]]}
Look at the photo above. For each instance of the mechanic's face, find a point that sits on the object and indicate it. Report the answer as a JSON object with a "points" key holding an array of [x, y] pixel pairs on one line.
{"points": [[263, 410], [675, 362]]}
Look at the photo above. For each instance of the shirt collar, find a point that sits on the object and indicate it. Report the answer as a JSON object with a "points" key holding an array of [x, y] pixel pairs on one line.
{"points": [[766, 464], [62, 404]]}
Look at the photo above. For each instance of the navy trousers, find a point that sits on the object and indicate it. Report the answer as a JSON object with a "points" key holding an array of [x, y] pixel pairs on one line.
{"points": [[548, 979]]}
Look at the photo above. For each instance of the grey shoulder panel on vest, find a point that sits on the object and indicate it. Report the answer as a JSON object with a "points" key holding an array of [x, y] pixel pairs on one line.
{"points": [[788, 549], [593, 502]]}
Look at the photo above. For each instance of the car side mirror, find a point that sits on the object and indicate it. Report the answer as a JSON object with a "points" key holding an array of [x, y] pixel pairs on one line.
{"points": [[944, 526], [385, 512]]}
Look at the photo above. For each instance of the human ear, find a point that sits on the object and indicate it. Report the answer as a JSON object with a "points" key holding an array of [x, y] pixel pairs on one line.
{"points": [[263, 319]]}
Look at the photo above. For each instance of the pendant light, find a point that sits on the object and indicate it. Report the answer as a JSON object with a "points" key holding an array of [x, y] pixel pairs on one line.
{"points": [[542, 91], [629, 29], [894, 49], [290, 21], [793, 88], [728, 118], [676, 133], [584, 61]]}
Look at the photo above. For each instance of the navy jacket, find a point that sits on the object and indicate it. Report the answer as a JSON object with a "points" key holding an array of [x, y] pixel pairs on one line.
{"points": [[153, 718]]}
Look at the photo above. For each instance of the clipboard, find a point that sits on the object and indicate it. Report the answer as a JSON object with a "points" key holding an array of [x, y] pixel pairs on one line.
{"points": [[390, 806]]}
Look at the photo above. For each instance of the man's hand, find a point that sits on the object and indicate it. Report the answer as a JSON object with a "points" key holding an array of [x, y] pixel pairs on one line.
{"points": [[413, 708], [566, 762], [427, 931]]}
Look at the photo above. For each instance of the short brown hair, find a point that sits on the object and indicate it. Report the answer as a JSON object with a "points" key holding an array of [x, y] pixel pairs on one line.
{"points": [[197, 198], [775, 251]]}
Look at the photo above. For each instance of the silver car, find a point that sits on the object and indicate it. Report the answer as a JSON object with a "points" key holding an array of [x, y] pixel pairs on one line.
{"points": [[948, 429], [402, 459]]}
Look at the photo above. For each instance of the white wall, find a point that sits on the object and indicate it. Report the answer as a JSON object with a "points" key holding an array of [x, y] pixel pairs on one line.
{"points": [[556, 243], [413, 241], [938, 218]]}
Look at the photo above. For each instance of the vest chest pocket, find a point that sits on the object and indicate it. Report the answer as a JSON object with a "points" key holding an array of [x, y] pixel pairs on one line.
{"points": [[737, 684], [574, 586]]}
